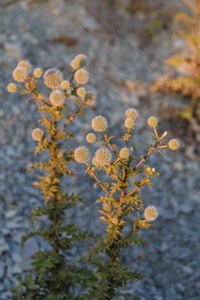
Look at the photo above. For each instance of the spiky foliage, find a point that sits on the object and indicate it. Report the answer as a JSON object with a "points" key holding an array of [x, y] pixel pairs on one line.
{"points": [[53, 276], [125, 177], [187, 76]]}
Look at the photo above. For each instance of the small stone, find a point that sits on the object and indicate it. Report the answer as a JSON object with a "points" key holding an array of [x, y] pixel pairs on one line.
{"points": [[16, 257], [30, 247], [180, 287], [10, 214], [6, 283], [16, 270], [186, 269], [1, 113], [13, 50], [178, 165], [5, 295], [3, 246], [2, 288], [2, 269]]}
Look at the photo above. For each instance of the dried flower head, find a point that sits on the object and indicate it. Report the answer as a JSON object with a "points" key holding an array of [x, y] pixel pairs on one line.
{"points": [[75, 64], [89, 99], [152, 121], [103, 156], [12, 88], [81, 76], [25, 64], [124, 152], [82, 59], [150, 213], [132, 113], [82, 154], [37, 73], [20, 74], [91, 138], [129, 123], [57, 98], [99, 124], [173, 144], [81, 92], [65, 84], [52, 78], [37, 134]]}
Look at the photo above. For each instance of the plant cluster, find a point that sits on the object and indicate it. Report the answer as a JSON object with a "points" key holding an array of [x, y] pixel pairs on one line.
{"points": [[125, 178], [54, 277], [187, 65]]}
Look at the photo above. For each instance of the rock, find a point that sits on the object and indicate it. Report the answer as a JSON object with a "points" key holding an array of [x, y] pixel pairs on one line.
{"points": [[13, 50], [2, 269], [30, 247], [10, 214], [3, 246], [16, 270], [16, 257]]}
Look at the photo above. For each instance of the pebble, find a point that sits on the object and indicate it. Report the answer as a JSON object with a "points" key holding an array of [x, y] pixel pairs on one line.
{"points": [[13, 50]]}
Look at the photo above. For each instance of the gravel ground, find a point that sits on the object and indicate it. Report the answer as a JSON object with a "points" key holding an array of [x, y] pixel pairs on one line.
{"points": [[125, 58]]}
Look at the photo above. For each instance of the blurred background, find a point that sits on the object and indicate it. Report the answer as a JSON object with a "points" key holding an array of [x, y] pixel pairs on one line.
{"points": [[127, 43]]}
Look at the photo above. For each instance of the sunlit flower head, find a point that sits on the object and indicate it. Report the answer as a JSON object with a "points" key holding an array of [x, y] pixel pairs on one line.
{"points": [[89, 99], [152, 121], [81, 76], [82, 59], [95, 163], [124, 152], [132, 113], [65, 85], [75, 64], [25, 64], [103, 156], [37, 73], [81, 92], [129, 123], [57, 98], [91, 138], [150, 213], [82, 154], [20, 74], [99, 124], [53, 78], [173, 144], [37, 134], [12, 88]]}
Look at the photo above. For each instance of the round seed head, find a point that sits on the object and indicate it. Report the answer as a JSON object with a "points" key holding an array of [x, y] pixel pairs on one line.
{"points": [[115, 220], [173, 144], [82, 59], [89, 99], [20, 74], [95, 163], [81, 76], [80, 92], [25, 64], [129, 123], [124, 152], [132, 113], [37, 134], [91, 138], [99, 124], [152, 121], [65, 84], [82, 154], [75, 64], [150, 213], [37, 73], [52, 78], [103, 156], [57, 98], [12, 88]]}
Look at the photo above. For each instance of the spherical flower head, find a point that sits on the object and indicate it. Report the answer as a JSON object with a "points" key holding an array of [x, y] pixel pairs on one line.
{"points": [[20, 74], [95, 163], [124, 152], [99, 124], [65, 85], [52, 78], [132, 113], [82, 154], [82, 59], [81, 76], [37, 73], [75, 64], [129, 123], [89, 99], [12, 88], [115, 220], [81, 92], [150, 213], [103, 156], [173, 144], [152, 121], [57, 98], [25, 64], [91, 138], [37, 134]]}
